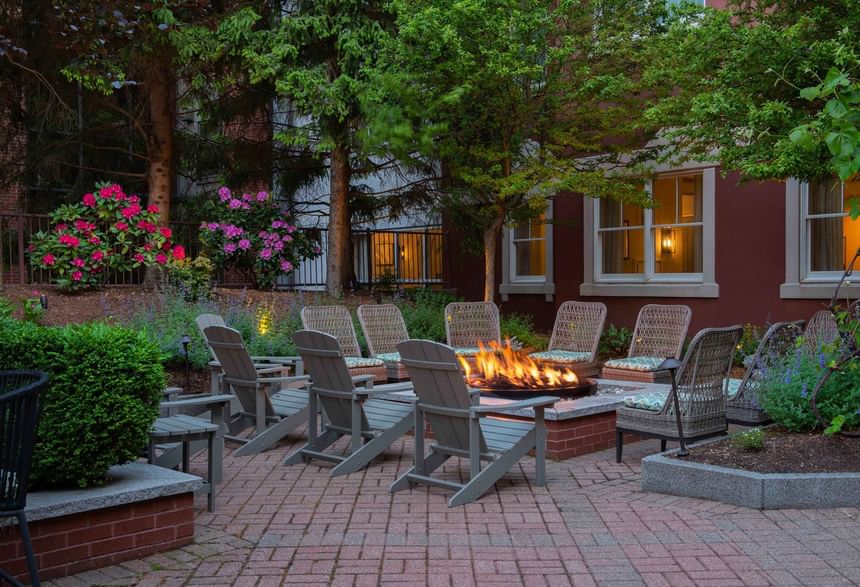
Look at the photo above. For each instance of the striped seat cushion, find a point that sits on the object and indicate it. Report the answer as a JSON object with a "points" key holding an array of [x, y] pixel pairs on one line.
{"points": [[389, 357], [635, 363], [467, 351], [731, 387], [652, 401], [559, 356], [352, 362]]}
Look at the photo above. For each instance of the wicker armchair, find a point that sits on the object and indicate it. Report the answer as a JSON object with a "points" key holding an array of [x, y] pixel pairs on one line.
{"points": [[820, 330], [659, 333], [575, 336], [384, 329], [336, 321], [700, 394], [466, 323], [741, 394]]}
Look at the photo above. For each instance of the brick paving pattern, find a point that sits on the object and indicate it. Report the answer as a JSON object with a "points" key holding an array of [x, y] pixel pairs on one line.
{"points": [[591, 525]]}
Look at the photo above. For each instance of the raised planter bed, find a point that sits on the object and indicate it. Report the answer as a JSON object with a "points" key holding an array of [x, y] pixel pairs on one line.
{"points": [[143, 510], [663, 473]]}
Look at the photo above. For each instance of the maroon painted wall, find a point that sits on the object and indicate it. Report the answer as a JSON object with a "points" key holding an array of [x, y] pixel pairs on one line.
{"points": [[750, 264]]}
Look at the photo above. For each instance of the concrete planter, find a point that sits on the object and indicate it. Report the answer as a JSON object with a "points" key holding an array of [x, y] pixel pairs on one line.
{"points": [[663, 474]]}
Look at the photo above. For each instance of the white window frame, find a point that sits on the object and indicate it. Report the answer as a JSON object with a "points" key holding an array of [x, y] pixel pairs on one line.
{"points": [[513, 284], [650, 283], [800, 281]]}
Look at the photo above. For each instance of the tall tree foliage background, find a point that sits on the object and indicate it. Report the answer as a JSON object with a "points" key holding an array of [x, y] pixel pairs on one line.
{"points": [[512, 101], [741, 76]]}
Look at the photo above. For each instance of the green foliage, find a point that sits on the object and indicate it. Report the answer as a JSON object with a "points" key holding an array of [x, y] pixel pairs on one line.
{"points": [[779, 99], [787, 389], [6, 308], [33, 309], [191, 278], [747, 345], [750, 440], [614, 342], [424, 316], [521, 327], [105, 387]]}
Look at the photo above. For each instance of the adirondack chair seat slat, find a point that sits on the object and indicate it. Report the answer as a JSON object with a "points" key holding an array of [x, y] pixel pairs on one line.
{"points": [[288, 401], [383, 414], [181, 424], [500, 437]]}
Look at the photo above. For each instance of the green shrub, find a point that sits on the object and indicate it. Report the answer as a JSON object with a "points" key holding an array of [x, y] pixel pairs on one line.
{"points": [[787, 390], [103, 397], [520, 326], [747, 345], [425, 314], [752, 439], [191, 277], [614, 342]]}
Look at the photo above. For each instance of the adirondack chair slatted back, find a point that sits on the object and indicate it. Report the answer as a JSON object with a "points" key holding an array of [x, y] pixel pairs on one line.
{"points": [[239, 372], [578, 326], [439, 384], [329, 375], [820, 330], [206, 320], [466, 323], [336, 321], [660, 331], [384, 327], [706, 365]]}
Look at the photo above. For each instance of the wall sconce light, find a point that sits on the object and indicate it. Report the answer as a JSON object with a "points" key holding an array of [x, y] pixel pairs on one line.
{"points": [[667, 241]]}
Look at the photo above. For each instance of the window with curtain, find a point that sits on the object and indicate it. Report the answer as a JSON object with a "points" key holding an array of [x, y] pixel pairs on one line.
{"points": [[528, 247], [831, 236], [664, 240]]}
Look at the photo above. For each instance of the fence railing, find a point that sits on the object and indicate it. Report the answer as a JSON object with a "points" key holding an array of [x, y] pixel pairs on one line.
{"points": [[383, 257]]}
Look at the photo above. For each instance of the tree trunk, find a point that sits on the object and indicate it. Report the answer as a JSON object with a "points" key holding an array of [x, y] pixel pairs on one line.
{"points": [[338, 222], [491, 240], [159, 175]]}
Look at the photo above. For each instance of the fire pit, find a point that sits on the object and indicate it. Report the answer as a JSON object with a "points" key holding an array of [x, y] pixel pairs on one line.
{"points": [[504, 372]]}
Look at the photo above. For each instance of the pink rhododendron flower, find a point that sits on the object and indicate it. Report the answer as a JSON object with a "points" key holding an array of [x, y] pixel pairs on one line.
{"points": [[166, 232], [224, 194], [98, 255], [247, 197], [317, 250], [286, 266], [147, 246], [244, 244], [61, 227], [76, 275], [89, 200], [290, 228], [161, 258], [147, 226], [229, 248], [266, 254], [212, 226], [78, 262], [139, 258], [69, 240], [178, 252], [152, 209], [48, 259], [132, 199], [263, 234], [287, 238], [94, 240], [106, 192], [131, 211], [262, 196], [277, 224], [278, 246], [234, 203], [122, 226]]}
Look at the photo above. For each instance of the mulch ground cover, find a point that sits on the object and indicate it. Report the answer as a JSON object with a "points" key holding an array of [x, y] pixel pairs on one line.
{"points": [[785, 452]]}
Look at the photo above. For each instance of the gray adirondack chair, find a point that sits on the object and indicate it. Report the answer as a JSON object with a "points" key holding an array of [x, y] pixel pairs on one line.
{"points": [[203, 321], [462, 428], [272, 410], [372, 424]]}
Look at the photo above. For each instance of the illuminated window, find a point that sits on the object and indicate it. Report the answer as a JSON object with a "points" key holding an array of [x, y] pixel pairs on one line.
{"points": [[832, 237], [529, 251]]}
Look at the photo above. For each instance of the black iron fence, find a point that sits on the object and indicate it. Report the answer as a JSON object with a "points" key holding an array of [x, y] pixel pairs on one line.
{"points": [[386, 258]]}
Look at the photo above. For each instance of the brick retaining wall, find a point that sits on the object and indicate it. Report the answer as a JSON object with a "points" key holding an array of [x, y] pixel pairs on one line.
{"points": [[71, 544]]}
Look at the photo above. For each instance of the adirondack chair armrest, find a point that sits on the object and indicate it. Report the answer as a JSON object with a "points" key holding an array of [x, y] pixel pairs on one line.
{"points": [[201, 400], [285, 360], [366, 380], [284, 379], [385, 388], [170, 392], [537, 402]]}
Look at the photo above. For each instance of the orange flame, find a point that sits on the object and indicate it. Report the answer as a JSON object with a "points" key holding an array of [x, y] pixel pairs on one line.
{"points": [[501, 366]]}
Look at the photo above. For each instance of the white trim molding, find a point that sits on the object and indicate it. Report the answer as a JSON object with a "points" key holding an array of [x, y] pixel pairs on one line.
{"points": [[671, 286], [510, 285]]}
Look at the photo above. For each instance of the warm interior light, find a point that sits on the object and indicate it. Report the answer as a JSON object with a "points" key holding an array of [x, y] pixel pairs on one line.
{"points": [[502, 367], [667, 241]]}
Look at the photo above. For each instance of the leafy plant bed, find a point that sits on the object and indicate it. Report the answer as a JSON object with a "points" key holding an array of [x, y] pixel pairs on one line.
{"points": [[785, 452]]}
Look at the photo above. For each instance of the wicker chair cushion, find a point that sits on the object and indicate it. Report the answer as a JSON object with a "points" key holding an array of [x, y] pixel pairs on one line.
{"points": [[558, 356], [467, 351], [389, 357], [731, 386], [652, 401], [362, 362], [635, 363]]}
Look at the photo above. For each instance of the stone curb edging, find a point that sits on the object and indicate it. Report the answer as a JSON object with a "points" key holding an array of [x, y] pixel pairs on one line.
{"points": [[664, 474]]}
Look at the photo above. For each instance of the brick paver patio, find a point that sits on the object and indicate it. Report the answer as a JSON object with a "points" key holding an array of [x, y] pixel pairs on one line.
{"points": [[591, 525]]}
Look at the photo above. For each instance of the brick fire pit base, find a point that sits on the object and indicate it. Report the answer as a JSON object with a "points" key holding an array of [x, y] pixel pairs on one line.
{"points": [[143, 510]]}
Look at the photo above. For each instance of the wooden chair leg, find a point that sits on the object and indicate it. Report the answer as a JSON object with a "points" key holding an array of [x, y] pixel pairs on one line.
{"points": [[210, 498]]}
